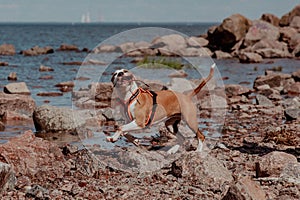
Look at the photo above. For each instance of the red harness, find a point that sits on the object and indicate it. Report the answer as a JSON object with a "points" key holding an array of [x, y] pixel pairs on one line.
{"points": [[135, 96]]}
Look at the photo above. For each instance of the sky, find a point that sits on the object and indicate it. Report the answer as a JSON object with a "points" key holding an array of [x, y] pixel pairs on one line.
{"points": [[138, 10]]}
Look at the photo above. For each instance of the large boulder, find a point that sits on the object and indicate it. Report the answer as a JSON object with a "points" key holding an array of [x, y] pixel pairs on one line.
{"points": [[294, 41], [21, 104], [286, 33], [48, 118], [270, 18], [197, 41], [273, 53], [7, 50], [36, 50], [8, 179], [171, 43], [295, 23], [287, 18], [232, 30], [17, 88], [261, 30]]}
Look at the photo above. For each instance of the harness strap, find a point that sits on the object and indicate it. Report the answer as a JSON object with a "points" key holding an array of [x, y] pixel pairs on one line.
{"points": [[134, 96], [154, 106]]}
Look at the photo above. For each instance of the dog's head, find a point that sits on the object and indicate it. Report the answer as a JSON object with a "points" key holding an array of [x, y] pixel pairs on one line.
{"points": [[122, 77]]}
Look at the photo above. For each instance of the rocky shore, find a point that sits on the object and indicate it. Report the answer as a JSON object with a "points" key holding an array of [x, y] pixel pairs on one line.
{"points": [[256, 157]]}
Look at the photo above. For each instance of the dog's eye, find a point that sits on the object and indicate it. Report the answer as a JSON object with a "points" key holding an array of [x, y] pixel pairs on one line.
{"points": [[125, 70]]}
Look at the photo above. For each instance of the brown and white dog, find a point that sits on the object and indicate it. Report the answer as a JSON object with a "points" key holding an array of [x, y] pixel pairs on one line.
{"points": [[143, 106]]}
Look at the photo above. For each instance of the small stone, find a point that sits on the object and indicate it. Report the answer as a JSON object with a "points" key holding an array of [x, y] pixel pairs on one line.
{"points": [[292, 114], [44, 68], [12, 76], [263, 101]]}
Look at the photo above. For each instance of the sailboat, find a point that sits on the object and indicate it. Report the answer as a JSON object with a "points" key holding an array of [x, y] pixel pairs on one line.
{"points": [[85, 18]]}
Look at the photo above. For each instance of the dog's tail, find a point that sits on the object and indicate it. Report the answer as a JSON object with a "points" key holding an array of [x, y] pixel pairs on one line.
{"points": [[203, 82]]}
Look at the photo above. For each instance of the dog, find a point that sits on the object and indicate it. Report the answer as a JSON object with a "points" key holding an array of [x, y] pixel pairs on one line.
{"points": [[144, 107]]}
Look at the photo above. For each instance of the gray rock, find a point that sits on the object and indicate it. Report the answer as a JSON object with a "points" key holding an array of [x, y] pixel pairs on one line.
{"points": [[221, 55], [68, 47], [245, 189], [261, 30], [270, 18], [106, 48], [236, 90], [263, 101], [8, 179], [58, 119], [287, 18], [248, 57], [273, 80], [292, 113], [273, 53], [12, 76], [17, 88], [36, 50], [197, 41], [272, 164], [295, 23], [291, 173], [22, 104], [286, 34], [172, 43]]}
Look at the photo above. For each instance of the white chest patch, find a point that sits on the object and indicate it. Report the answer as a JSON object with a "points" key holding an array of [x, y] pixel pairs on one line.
{"points": [[132, 108]]}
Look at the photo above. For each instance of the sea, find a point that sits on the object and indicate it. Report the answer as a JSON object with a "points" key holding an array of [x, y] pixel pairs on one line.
{"points": [[27, 35]]}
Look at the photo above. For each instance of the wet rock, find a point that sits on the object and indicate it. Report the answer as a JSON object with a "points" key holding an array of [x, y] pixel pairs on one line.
{"points": [[127, 47], [236, 90], [263, 101], [54, 119], [36, 50], [291, 173], [12, 76], [8, 179], [3, 63], [261, 30], [49, 94], [292, 113], [296, 75], [34, 157], [232, 30], [105, 48], [68, 47], [272, 164], [197, 41], [65, 86], [245, 189], [287, 18], [17, 88], [178, 74], [221, 55], [248, 57], [21, 104], [72, 63], [44, 68], [47, 77], [272, 19], [7, 50]]}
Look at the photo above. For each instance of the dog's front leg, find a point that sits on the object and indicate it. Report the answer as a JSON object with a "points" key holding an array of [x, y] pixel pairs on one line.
{"points": [[132, 126]]}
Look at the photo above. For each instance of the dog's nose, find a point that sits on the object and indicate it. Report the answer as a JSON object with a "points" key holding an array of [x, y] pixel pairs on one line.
{"points": [[120, 74]]}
